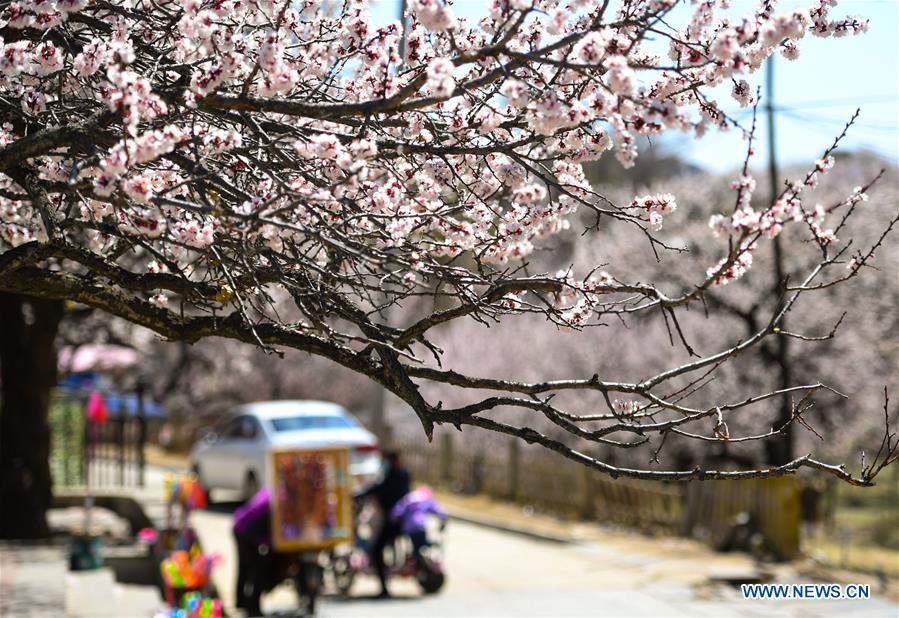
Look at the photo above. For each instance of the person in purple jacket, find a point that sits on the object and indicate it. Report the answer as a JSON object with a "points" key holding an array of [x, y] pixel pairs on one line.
{"points": [[410, 514], [253, 533]]}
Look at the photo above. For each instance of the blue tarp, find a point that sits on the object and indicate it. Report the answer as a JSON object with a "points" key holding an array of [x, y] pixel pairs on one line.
{"points": [[116, 403]]}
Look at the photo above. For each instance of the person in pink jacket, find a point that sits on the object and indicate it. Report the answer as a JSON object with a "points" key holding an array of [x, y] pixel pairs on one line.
{"points": [[252, 530], [411, 516]]}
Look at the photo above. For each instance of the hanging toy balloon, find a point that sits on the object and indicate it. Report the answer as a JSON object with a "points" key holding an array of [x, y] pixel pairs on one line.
{"points": [[96, 408]]}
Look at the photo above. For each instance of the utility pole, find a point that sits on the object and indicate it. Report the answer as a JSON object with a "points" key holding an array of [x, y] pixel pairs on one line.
{"points": [[780, 448], [404, 24], [377, 421]]}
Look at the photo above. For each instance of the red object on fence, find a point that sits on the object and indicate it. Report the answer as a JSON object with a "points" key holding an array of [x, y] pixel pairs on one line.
{"points": [[96, 408]]}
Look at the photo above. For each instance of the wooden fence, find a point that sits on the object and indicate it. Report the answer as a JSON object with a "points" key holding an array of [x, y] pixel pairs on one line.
{"points": [[771, 507], [534, 476]]}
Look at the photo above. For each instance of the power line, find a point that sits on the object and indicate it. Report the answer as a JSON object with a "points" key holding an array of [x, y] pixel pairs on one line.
{"points": [[824, 120], [811, 104]]}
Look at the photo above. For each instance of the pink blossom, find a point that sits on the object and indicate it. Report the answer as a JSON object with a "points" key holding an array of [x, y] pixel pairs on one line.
{"points": [[435, 15], [364, 148], [159, 300], [34, 102], [440, 77], [529, 193], [139, 189], [557, 22], [591, 48], [322, 146], [47, 59], [790, 50], [655, 207], [515, 92], [622, 79], [743, 93], [268, 125]]}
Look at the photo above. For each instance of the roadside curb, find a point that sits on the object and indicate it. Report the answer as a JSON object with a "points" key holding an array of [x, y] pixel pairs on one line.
{"points": [[503, 527]]}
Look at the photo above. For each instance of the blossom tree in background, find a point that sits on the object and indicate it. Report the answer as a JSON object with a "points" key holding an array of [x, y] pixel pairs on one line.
{"points": [[858, 363], [190, 166]]}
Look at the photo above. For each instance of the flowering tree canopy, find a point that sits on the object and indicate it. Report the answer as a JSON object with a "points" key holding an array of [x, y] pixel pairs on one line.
{"points": [[286, 172]]}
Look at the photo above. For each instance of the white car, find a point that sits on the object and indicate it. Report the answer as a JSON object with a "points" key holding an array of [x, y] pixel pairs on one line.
{"points": [[236, 456]]}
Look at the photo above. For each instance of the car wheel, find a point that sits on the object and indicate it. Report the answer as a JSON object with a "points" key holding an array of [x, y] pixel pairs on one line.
{"points": [[250, 485]]}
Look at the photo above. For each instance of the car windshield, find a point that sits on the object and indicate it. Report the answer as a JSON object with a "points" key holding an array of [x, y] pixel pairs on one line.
{"points": [[302, 423]]}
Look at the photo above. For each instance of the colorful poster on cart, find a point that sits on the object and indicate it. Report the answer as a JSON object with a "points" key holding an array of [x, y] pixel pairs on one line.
{"points": [[311, 501]]}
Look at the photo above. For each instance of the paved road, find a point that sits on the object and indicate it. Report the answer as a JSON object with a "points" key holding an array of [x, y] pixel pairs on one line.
{"points": [[496, 573], [500, 574]]}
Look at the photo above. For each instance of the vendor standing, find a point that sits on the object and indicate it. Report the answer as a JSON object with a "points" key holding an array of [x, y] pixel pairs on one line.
{"points": [[396, 483], [253, 534]]}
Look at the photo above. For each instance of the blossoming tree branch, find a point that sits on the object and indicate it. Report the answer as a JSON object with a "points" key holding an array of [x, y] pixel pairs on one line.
{"points": [[283, 173]]}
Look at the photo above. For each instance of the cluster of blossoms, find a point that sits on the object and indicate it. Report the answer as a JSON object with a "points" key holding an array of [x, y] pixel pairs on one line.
{"points": [[741, 46], [194, 233], [42, 15], [15, 225], [159, 300], [655, 207], [303, 131], [821, 167], [591, 49], [440, 77], [742, 92], [548, 114], [133, 96], [730, 269], [625, 407], [132, 152], [747, 224], [577, 300], [435, 15]]}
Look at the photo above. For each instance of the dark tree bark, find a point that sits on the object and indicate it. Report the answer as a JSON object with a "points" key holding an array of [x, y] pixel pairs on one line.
{"points": [[28, 328]]}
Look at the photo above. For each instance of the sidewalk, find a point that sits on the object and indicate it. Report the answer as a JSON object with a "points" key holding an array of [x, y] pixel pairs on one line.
{"points": [[35, 581], [32, 578]]}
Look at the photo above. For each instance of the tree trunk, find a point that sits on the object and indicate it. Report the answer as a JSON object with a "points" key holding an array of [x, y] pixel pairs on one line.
{"points": [[28, 329]]}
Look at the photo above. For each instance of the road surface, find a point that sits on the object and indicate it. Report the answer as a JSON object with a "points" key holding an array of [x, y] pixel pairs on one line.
{"points": [[496, 573]]}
